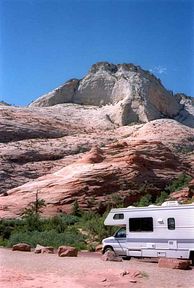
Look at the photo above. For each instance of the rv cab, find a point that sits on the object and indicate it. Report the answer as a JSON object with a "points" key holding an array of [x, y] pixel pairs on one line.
{"points": [[117, 242]]}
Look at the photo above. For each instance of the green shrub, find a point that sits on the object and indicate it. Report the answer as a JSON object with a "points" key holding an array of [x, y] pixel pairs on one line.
{"points": [[59, 222], [144, 200], [182, 181], [91, 247], [48, 238], [76, 209], [93, 223], [162, 198]]}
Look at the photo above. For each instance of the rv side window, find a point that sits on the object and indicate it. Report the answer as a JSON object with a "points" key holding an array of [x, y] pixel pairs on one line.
{"points": [[118, 216], [171, 223], [141, 224]]}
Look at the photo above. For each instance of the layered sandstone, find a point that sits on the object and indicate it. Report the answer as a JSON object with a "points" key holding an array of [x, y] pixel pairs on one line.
{"points": [[44, 147], [121, 171]]}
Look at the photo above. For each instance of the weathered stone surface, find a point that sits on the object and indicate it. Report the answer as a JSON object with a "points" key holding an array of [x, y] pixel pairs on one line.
{"points": [[186, 116], [47, 250], [174, 263], [38, 249], [56, 138], [53, 138], [111, 256], [67, 251], [124, 170], [62, 94], [43, 249], [130, 93], [21, 247]]}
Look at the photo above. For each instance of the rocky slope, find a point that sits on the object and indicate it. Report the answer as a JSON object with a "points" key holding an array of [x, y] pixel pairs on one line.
{"points": [[142, 159], [33, 141], [129, 93], [119, 171], [45, 147]]}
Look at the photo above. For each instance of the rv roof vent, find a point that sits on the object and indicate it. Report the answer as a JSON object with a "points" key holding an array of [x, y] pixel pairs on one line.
{"points": [[131, 207], [170, 203]]}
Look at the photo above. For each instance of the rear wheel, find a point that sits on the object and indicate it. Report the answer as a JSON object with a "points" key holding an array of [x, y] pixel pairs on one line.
{"points": [[192, 258], [126, 257]]}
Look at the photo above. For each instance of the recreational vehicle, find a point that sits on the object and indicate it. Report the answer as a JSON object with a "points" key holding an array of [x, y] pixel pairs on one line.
{"points": [[153, 231]]}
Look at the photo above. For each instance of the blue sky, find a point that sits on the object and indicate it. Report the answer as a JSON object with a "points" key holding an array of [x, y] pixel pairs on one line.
{"points": [[46, 42]]}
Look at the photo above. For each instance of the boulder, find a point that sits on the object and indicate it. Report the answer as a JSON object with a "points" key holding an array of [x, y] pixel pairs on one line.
{"points": [[21, 247], [174, 263], [67, 251], [43, 249], [111, 256], [47, 250], [38, 249]]}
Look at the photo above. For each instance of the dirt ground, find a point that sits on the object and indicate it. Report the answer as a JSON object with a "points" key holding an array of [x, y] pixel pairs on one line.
{"points": [[29, 270]]}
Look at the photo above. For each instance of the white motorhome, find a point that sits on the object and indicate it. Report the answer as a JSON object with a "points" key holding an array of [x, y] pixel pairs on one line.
{"points": [[153, 231]]}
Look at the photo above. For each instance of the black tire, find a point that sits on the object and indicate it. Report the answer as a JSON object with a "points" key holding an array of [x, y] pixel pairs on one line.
{"points": [[192, 257], [126, 257], [108, 248]]}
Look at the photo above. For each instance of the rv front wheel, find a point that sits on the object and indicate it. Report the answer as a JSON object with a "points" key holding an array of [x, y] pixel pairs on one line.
{"points": [[108, 248]]}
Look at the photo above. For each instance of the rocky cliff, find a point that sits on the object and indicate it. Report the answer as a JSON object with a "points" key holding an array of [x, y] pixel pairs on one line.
{"points": [[129, 93], [75, 142]]}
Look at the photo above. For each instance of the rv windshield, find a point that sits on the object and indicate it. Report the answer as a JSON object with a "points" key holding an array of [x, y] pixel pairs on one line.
{"points": [[121, 233]]}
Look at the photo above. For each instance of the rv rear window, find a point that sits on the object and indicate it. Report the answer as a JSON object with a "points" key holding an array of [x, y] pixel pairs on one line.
{"points": [[118, 216], [171, 223], [141, 224]]}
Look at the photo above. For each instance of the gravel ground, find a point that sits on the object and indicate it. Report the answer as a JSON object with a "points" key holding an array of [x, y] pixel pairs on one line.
{"points": [[29, 270]]}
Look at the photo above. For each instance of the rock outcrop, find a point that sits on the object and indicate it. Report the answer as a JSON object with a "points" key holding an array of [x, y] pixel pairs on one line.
{"points": [[123, 172], [129, 93], [35, 141], [67, 251], [44, 249], [46, 146], [174, 263], [21, 247]]}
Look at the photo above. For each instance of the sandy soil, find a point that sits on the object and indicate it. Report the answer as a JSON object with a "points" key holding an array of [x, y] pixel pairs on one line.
{"points": [[29, 270]]}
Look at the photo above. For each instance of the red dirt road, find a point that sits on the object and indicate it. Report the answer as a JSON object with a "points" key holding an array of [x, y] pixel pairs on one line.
{"points": [[29, 270]]}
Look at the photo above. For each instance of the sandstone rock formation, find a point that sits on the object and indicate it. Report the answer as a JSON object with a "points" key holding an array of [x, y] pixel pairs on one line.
{"points": [[45, 146], [174, 263], [118, 172], [21, 247], [38, 141], [125, 92], [67, 251], [34, 141], [43, 249]]}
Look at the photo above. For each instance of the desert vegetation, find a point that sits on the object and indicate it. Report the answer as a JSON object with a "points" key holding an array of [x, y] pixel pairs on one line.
{"points": [[80, 229]]}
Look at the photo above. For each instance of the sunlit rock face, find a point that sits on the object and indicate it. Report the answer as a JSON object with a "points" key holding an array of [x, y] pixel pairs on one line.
{"points": [[93, 140], [129, 93], [118, 172]]}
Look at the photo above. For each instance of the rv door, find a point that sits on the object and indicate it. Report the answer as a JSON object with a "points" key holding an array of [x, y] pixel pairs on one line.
{"points": [[120, 242]]}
